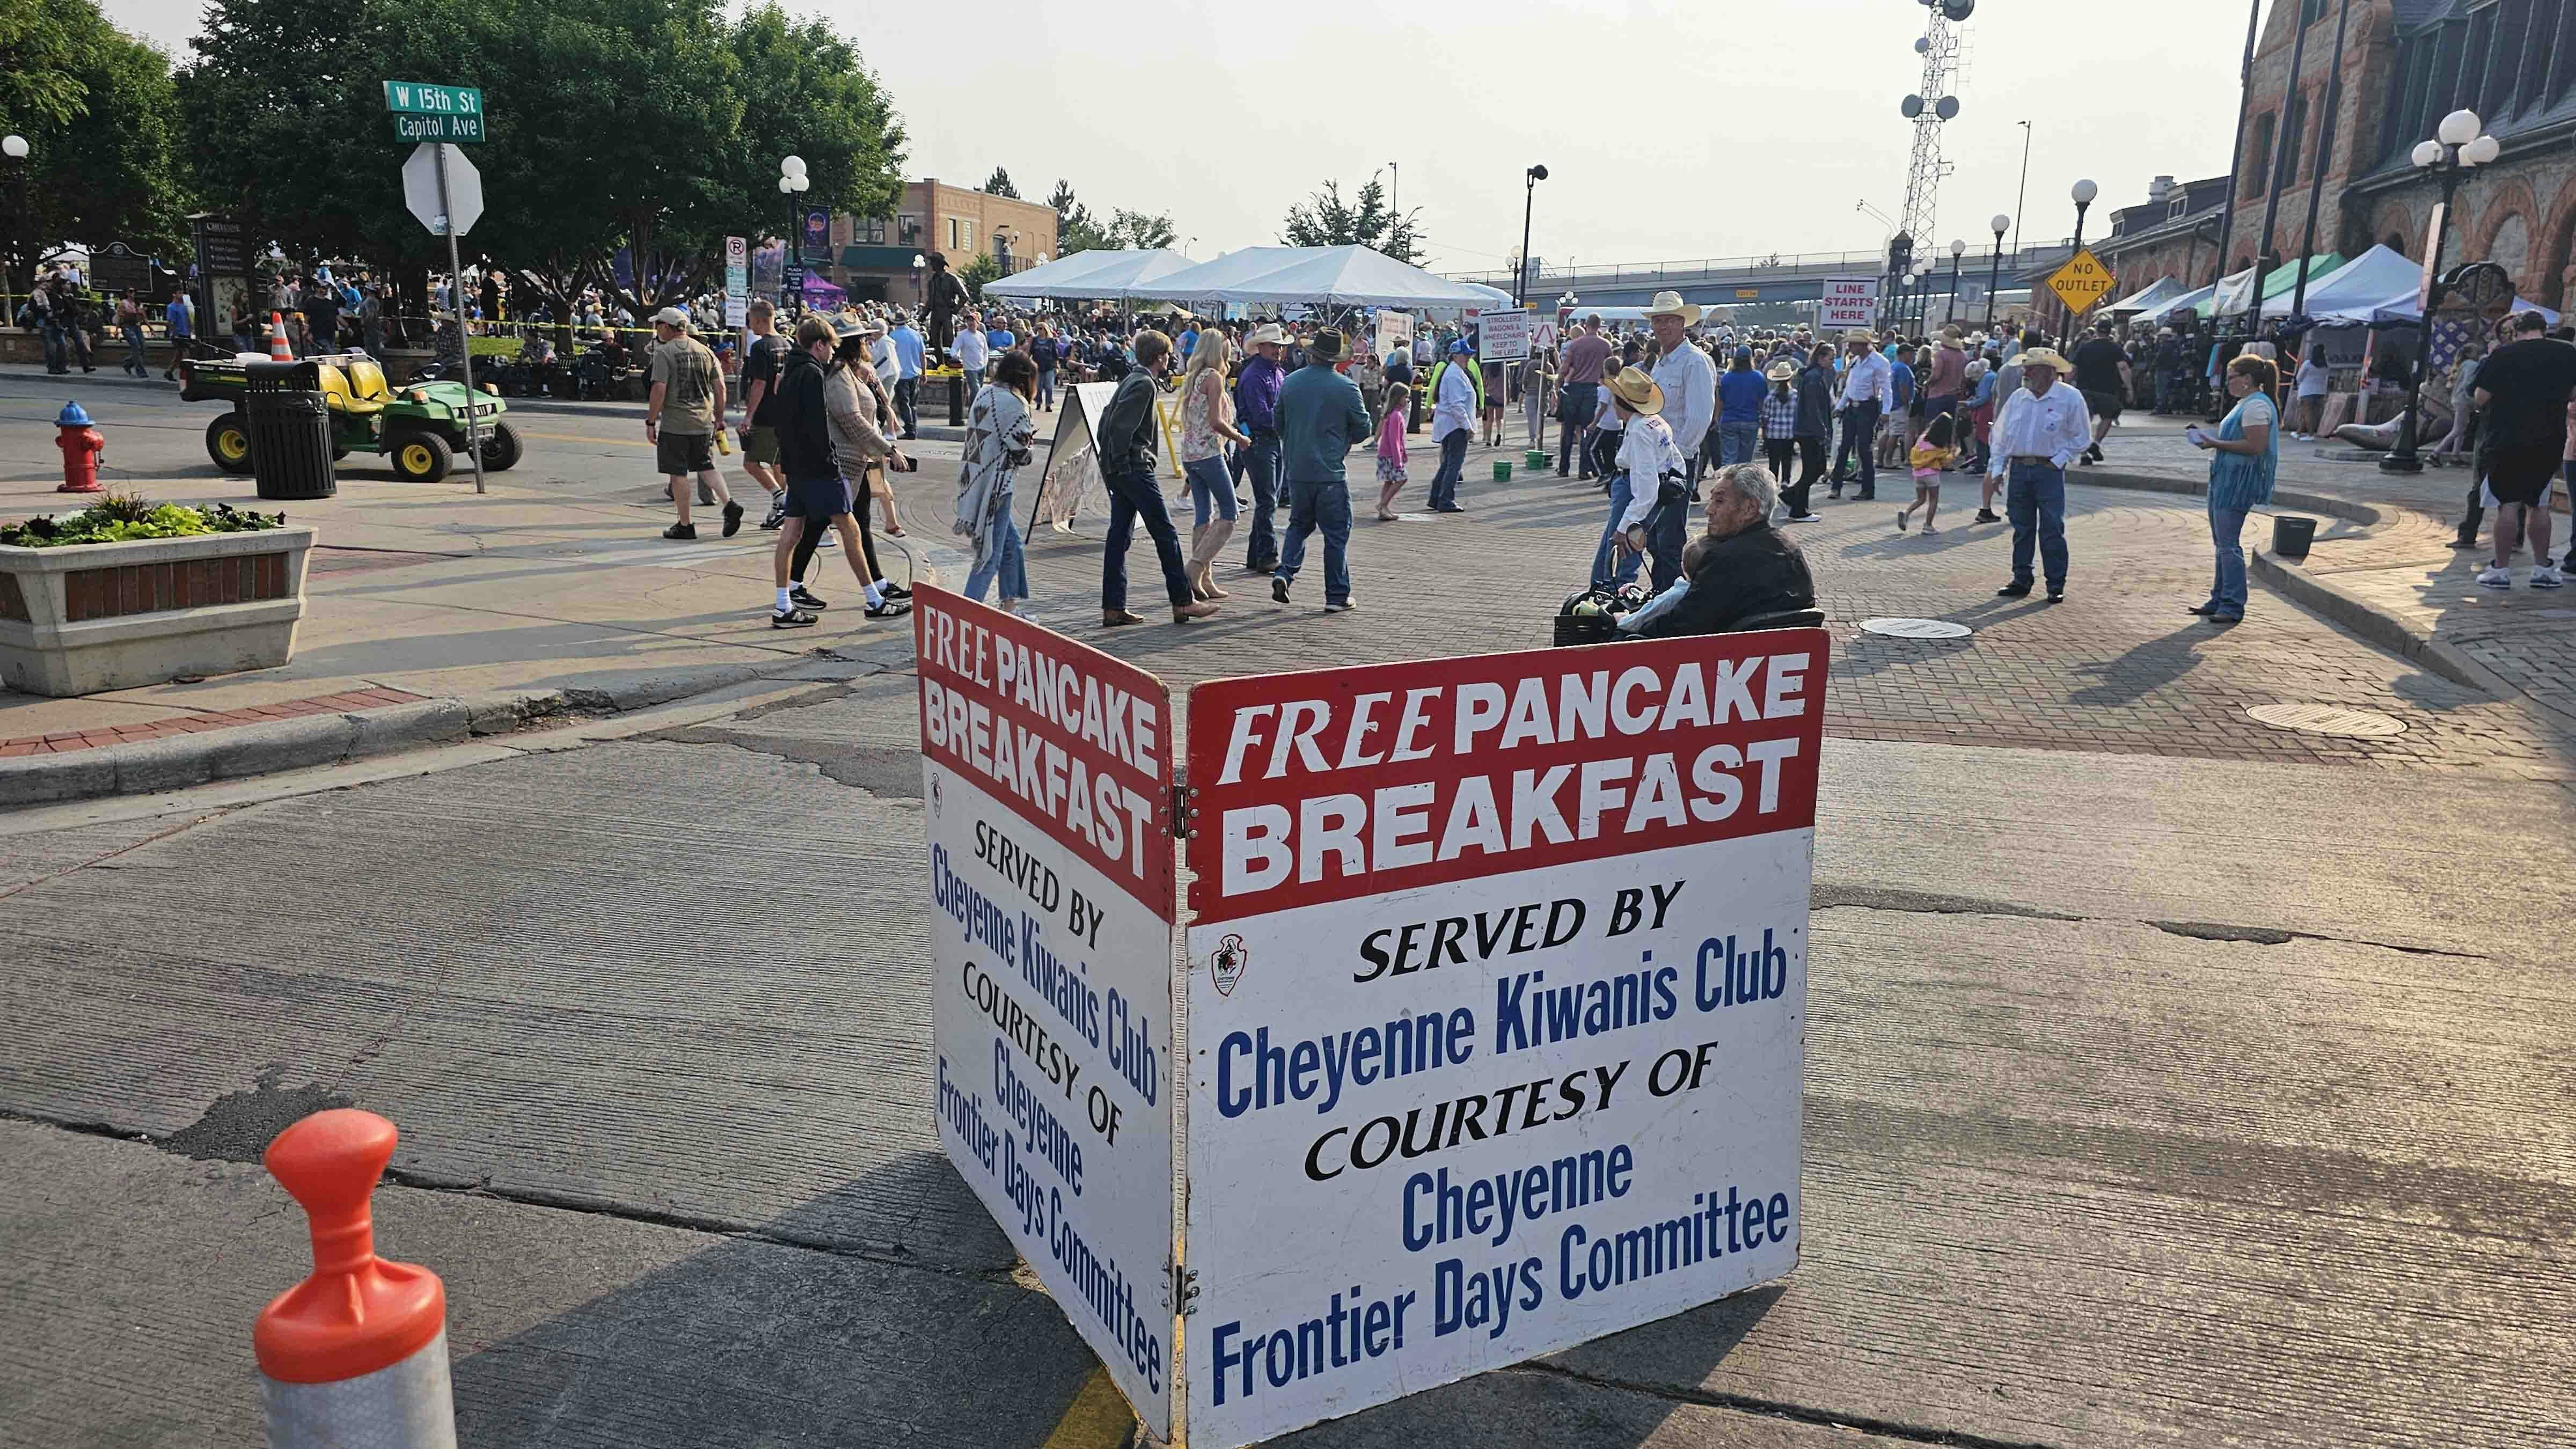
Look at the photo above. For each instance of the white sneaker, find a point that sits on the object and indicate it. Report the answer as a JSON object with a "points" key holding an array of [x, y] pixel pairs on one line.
{"points": [[1929, 529], [2547, 576], [2496, 578]]}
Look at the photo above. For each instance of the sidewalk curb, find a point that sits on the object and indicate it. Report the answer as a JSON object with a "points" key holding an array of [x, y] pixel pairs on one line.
{"points": [[2376, 626], [2348, 509], [162, 765]]}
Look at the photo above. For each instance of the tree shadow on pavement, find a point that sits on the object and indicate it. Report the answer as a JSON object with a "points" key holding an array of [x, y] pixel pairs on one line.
{"points": [[811, 1329]]}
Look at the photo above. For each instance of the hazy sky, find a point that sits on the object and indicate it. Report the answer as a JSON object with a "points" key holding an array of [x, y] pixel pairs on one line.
{"points": [[1669, 130]]}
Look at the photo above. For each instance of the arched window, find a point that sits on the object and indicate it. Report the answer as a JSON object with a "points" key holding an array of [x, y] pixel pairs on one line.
{"points": [[2258, 161], [2395, 241]]}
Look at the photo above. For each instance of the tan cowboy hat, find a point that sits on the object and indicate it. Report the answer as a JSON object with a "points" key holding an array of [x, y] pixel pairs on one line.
{"points": [[1670, 303], [1266, 332], [1782, 371], [1637, 390], [2043, 357]]}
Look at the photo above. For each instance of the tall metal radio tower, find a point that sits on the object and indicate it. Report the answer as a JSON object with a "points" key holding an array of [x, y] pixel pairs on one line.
{"points": [[1927, 108]]}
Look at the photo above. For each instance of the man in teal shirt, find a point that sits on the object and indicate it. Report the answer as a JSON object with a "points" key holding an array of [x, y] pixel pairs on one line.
{"points": [[1320, 419]]}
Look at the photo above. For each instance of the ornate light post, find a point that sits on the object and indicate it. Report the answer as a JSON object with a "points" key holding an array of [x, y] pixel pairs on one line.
{"points": [[2082, 193], [1950, 313], [15, 148], [791, 184], [1995, 271], [2460, 143]]}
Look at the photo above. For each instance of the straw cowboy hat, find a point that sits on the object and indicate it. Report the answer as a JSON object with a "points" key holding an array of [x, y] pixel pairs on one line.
{"points": [[1266, 332], [1670, 303], [1637, 390], [1782, 371], [2043, 357]]}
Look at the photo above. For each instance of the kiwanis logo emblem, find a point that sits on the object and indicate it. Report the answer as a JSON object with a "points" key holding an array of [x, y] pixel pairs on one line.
{"points": [[1227, 965]]}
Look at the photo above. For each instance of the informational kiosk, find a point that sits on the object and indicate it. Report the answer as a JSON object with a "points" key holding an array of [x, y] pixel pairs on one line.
{"points": [[1495, 990]]}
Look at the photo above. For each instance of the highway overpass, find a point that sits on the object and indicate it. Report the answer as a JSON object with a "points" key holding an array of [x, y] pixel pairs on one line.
{"points": [[1736, 281]]}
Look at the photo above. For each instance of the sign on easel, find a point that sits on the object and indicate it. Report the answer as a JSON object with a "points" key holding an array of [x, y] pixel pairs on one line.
{"points": [[1046, 775], [1071, 483]]}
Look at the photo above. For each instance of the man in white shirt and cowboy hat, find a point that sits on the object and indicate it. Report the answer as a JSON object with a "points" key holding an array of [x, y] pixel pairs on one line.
{"points": [[2037, 437], [1689, 382]]}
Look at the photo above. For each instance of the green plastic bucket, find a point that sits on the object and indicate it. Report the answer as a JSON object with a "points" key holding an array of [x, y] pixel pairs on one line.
{"points": [[1534, 459], [1502, 470]]}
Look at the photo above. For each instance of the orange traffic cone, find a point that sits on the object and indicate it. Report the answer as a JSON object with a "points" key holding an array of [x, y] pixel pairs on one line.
{"points": [[278, 351], [357, 1353]]}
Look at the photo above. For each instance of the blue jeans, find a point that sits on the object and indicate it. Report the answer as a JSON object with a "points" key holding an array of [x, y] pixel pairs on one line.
{"points": [[1738, 443], [1009, 563], [1211, 489], [1046, 387], [1860, 433], [1453, 464], [2227, 587], [1133, 496], [56, 353], [907, 404], [974, 378], [135, 361], [1575, 402], [1261, 460], [1610, 568], [2035, 501], [1326, 506], [1665, 530]]}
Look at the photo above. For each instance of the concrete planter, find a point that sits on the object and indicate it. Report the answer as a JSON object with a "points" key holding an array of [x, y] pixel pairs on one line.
{"points": [[91, 617]]}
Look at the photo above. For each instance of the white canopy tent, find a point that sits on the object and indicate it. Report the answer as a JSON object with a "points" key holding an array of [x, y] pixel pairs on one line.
{"points": [[1116, 275], [1494, 296], [2150, 298], [2345, 295], [1200, 283], [1351, 276], [2174, 306]]}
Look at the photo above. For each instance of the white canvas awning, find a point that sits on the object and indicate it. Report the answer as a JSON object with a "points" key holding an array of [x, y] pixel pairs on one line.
{"points": [[1201, 282], [2149, 298]]}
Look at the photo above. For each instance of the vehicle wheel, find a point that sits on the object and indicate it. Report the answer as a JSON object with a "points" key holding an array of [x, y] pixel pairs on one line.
{"points": [[228, 443], [421, 457], [500, 447]]}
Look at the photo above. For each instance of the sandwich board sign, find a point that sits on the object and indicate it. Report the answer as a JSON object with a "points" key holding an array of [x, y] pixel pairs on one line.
{"points": [[1046, 776], [1494, 992]]}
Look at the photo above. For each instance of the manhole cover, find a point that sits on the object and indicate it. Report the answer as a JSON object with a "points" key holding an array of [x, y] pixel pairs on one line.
{"points": [[1916, 628], [2328, 719], [2553, 613]]}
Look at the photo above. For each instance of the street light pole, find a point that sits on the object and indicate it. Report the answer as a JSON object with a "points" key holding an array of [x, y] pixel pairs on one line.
{"points": [[1950, 313], [1529, 200], [792, 182], [1995, 271], [14, 147], [2082, 193], [2459, 143], [2021, 197]]}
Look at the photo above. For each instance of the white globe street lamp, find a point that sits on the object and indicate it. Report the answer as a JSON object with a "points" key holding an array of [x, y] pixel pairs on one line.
{"points": [[2459, 143]]}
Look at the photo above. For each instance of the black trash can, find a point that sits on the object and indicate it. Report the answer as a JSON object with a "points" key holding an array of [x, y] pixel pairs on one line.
{"points": [[2291, 535], [290, 430]]}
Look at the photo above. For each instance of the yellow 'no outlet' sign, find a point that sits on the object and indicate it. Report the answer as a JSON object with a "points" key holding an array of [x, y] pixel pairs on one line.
{"points": [[2082, 282]]}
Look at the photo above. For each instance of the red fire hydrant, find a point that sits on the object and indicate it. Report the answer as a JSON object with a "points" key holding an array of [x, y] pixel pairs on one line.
{"points": [[81, 445]]}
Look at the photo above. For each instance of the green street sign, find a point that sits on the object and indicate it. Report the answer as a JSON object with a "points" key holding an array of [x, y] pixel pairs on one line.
{"points": [[433, 100], [438, 128]]}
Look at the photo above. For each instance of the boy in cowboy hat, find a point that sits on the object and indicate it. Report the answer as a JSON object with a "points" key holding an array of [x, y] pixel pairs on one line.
{"points": [[1320, 418]]}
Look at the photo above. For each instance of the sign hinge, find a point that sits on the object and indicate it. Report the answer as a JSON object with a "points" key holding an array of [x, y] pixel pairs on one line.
{"points": [[1181, 811], [1185, 1288]]}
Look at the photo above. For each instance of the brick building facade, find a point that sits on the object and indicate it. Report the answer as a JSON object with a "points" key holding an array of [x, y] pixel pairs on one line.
{"points": [[2174, 233], [2408, 63], [873, 256]]}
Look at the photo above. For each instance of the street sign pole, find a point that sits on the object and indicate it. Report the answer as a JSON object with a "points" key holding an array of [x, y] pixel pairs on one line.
{"points": [[456, 301]]}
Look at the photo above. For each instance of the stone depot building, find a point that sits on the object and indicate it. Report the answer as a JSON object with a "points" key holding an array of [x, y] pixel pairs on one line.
{"points": [[2406, 64]]}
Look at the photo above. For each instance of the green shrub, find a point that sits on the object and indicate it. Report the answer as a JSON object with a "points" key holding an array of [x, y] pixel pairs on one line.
{"points": [[124, 517]]}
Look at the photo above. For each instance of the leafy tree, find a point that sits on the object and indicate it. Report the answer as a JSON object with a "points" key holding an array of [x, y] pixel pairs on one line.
{"points": [[1075, 231], [101, 121], [1138, 230], [999, 184], [652, 126], [981, 269], [1326, 220]]}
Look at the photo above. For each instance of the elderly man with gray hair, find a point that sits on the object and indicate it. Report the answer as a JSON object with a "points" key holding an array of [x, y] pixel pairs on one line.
{"points": [[1742, 568]]}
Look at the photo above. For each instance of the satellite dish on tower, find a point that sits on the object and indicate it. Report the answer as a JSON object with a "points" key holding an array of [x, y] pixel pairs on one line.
{"points": [[1922, 45], [1958, 9], [1947, 108], [1910, 107]]}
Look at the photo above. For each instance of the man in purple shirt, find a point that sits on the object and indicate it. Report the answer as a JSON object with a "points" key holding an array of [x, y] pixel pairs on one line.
{"points": [[1256, 410]]}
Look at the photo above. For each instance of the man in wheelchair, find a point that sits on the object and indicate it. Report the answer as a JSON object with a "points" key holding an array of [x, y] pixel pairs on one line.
{"points": [[1742, 574]]}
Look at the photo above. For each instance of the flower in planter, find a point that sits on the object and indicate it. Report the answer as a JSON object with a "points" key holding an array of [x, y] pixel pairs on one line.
{"points": [[124, 517]]}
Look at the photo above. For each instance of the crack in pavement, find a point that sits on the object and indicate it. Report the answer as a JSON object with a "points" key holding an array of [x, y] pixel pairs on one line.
{"points": [[1776, 1409], [887, 771], [1827, 897]]}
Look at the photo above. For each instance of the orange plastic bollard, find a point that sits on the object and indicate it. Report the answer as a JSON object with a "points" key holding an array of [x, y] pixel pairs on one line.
{"points": [[356, 1353]]}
